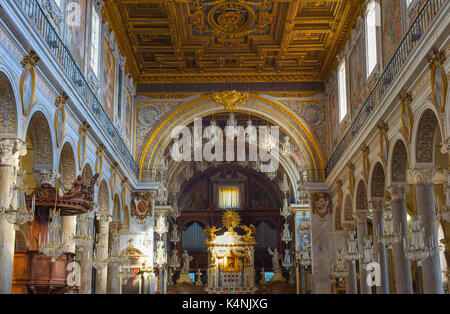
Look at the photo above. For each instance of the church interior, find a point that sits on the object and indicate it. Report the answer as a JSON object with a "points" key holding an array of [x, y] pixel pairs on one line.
{"points": [[224, 147]]}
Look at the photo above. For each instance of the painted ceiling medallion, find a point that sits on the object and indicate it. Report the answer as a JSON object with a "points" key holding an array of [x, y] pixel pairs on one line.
{"points": [[231, 19]]}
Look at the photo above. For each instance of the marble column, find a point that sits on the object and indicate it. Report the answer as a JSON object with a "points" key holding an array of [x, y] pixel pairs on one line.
{"points": [[351, 284], [431, 266], [87, 258], [320, 254], [379, 249], [10, 152], [403, 278], [102, 251], [361, 229], [113, 275]]}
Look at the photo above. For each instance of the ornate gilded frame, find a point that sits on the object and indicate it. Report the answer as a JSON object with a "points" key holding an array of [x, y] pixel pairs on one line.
{"points": [[438, 67]]}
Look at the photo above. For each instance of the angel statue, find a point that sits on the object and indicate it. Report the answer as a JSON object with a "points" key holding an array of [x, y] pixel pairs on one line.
{"points": [[275, 257], [186, 260], [211, 232], [249, 231]]}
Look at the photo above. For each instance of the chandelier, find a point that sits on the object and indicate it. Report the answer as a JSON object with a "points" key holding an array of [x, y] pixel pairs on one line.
{"points": [[418, 251], [284, 211], [175, 212], [174, 235], [286, 234], [22, 214], [391, 235], [286, 148], [339, 269], [269, 141], [161, 254], [352, 253], [161, 225], [82, 235], [162, 195], [232, 123], [284, 185], [367, 254], [212, 132], [53, 245]]}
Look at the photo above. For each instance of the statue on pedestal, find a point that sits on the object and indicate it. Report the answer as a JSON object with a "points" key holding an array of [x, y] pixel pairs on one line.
{"points": [[275, 257], [184, 276], [277, 275], [186, 260]]}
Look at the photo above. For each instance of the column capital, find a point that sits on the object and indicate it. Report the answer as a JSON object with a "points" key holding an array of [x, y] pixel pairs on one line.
{"points": [[10, 151], [361, 216], [376, 203], [45, 176], [422, 175], [398, 190]]}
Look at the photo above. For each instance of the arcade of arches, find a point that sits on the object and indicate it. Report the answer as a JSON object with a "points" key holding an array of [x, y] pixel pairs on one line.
{"points": [[269, 147]]}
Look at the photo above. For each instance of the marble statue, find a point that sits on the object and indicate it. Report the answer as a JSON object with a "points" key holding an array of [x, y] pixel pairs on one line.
{"points": [[275, 256], [186, 260]]}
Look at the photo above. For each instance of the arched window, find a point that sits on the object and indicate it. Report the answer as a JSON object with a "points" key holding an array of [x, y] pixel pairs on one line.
{"points": [[342, 85], [95, 42], [371, 37]]}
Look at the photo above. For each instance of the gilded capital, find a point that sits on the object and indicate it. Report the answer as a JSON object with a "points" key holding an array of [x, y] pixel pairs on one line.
{"points": [[11, 150]]}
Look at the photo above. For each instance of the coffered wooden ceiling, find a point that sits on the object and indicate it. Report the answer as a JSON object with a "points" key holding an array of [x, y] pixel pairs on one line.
{"points": [[192, 41]]}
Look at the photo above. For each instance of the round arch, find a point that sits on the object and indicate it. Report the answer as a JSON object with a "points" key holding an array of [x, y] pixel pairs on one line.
{"points": [[103, 200], [348, 209], [67, 165], [398, 162], [361, 196], [117, 213], [377, 181], [42, 138], [10, 105], [290, 123]]}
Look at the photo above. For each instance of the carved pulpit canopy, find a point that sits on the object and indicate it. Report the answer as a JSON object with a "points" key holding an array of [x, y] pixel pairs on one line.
{"points": [[74, 201]]}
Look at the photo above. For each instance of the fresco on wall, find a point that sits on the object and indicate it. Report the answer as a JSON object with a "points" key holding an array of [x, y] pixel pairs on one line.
{"points": [[109, 64], [129, 117], [75, 33], [357, 76], [392, 24], [334, 118]]}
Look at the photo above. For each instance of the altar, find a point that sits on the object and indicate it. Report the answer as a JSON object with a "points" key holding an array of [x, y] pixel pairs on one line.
{"points": [[231, 257]]}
